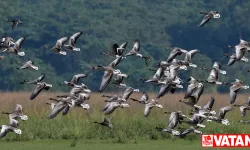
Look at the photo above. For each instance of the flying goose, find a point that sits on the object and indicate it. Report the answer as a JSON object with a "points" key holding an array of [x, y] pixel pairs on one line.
{"points": [[149, 106], [75, 79], [234, 89], [170, 85], [194, 91], [221, 115], [29, 65], [189, 130], [143, 99], [17, 46], [72, 42], [80, 101], [109, 71], [174, 53], [214, 73], [189, 55], [59, 45], [15, 23], [110, 107], [60, 106], [12, 127], [156, 77], [119, 79], [6, 43], [40, 86], [17, 113], [196, 120], [124, 98], [208, 16], [207, 108], [173, 121], [135, 51], [106, 122], [117, 51], [244, 107], [39, 79]]}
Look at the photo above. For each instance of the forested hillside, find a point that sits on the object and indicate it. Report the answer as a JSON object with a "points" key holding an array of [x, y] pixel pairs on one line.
{"points": [[158, 24]]}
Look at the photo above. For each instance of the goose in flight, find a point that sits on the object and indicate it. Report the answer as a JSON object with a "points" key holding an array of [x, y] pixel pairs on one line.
{"points": [[40, 86], [59, 46], [109, 71], [189, 55], [110, 107], [15, 22], [17, 113], [119, 79], [214, 73], [174, 53], [196, 120], [72, 42], [244, 107], [207, 108], [173, 121], [221, 115], [235, 88], [117, 51], [135, 52], [6, 43], [189, 130], [61, 106], [39, 79], [11, 127], [170, 85], [29, 65], [193, 93], [106, 122], [124, 98], [143, 99], [149, 106], [75, 79], [17, 46], [208, 16]]}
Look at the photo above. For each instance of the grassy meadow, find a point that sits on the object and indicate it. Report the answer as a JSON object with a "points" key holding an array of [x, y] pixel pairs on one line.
{"points": [[130, 126]]}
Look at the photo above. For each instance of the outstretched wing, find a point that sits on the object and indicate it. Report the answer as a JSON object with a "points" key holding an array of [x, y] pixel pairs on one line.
{"points": [[74, 38], [36, 91], [19, 43], [105, 80], [205, 20]]}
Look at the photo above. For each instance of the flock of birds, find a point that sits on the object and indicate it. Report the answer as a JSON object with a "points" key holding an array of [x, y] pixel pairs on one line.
{"points": [[165, 76]]}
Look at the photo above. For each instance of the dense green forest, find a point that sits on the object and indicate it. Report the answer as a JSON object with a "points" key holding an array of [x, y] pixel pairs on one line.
{"points": [[158, 24]]}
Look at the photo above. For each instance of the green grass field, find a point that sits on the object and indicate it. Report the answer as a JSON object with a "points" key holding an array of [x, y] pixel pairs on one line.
{"points": [[131, 129], [103, 145]]}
